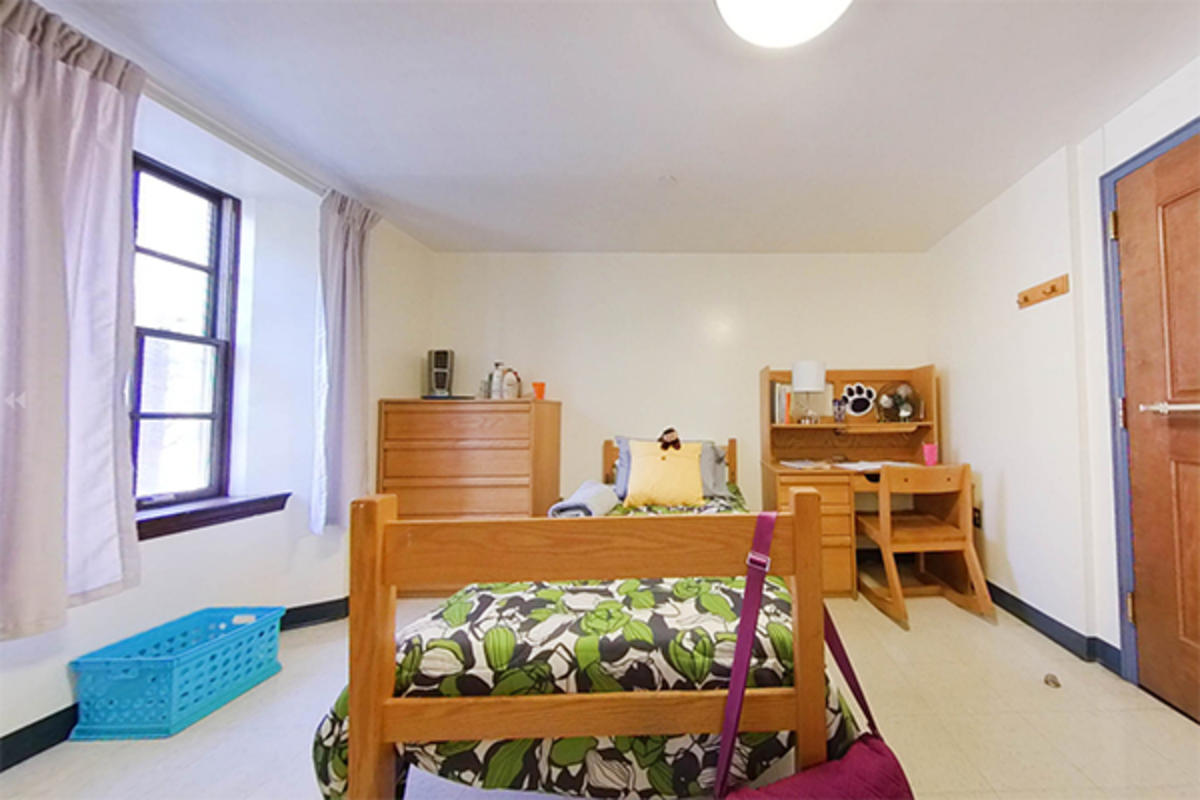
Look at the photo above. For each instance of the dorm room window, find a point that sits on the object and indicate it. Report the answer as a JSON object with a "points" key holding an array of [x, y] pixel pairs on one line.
{"points": [[184, 268]]}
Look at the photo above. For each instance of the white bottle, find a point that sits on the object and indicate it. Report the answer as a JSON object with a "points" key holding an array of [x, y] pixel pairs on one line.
{"points": [[512, 384], [496, 381]]}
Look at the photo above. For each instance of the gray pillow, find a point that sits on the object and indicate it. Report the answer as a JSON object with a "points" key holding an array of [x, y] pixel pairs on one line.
{"points": [[712, 467]]}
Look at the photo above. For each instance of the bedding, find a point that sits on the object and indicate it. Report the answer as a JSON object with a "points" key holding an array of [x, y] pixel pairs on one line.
{"points": [[589, 636], [730, 502], [591, 499]]}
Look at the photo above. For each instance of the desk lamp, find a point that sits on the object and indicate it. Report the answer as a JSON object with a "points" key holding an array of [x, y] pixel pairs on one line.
{"points": [[808, 379]]}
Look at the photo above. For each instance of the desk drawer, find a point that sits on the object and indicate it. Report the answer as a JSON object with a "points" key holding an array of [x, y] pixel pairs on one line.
{"points": [[862, 483], [835, 524], [834, 490], [837, 569], [435, 462]]}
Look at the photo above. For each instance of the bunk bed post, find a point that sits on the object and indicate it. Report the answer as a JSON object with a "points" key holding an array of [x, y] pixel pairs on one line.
{"points": [[808, 626], [372, 774]]}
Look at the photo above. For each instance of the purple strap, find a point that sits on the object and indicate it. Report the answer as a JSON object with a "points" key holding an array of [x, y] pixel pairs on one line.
{"points": [[841, 658], [757, 564]]}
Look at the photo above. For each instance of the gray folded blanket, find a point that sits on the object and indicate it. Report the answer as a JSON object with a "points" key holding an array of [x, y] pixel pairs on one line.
{"points": [[592, 499]]}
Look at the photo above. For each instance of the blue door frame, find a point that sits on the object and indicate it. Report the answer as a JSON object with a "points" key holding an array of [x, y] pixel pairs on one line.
{"points": [[1116, 374]]}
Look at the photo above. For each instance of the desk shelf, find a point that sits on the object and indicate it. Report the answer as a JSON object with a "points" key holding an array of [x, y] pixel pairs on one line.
{"points": [[856, 429]]}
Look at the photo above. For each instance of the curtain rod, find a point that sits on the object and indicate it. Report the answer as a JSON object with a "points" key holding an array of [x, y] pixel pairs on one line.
{"points": [[165, 97]]}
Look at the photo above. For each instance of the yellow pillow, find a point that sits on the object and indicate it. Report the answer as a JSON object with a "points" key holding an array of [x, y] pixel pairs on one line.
{"points": [[660, 477]]}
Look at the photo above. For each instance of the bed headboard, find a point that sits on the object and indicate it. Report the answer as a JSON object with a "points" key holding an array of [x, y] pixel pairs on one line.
{"points": [[610, 459]]}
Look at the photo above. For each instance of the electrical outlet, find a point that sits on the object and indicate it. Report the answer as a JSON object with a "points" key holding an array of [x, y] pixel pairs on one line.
{"points": [[977, 518]]}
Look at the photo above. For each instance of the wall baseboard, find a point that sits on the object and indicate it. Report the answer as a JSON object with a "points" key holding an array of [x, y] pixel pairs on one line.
{"points": [[37, 736], [1089, 648], [315, 613], [42, 734]]}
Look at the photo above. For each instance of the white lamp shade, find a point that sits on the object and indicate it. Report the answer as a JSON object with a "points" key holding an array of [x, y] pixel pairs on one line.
{"points": [[780, 23], [808, 376]]}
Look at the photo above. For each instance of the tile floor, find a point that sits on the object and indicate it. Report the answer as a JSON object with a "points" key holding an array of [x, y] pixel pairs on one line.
{"points": [[962, 702]]}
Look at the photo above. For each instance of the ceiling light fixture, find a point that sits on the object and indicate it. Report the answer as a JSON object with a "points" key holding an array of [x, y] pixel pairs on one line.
{"points": [[780, 23]]}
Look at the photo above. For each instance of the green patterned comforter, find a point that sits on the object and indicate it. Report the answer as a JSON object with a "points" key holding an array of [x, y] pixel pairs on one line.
{"points": [[587, 636], [733, 503]]}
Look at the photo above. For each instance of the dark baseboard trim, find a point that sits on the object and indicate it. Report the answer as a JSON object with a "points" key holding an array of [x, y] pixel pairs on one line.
{"points": [[37, 736], [315, 613], [1103, 652], [1089, 648], [41, 735]]}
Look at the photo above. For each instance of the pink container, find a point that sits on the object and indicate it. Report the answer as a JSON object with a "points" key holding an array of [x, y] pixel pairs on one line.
{"points": [[930, 452]]}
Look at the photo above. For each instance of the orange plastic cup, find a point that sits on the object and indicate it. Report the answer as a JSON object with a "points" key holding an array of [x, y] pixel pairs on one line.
{"points": [[539, 389]]}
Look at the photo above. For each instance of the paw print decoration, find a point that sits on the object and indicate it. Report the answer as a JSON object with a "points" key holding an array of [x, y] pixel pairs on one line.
{"points": [[859, 399]]}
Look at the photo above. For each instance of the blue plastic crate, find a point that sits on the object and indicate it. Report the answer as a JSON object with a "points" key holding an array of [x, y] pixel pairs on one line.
{"points": [[158, 682]]}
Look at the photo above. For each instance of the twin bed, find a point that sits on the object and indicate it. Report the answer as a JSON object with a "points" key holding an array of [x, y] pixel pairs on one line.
{"points": [[568, 664]]}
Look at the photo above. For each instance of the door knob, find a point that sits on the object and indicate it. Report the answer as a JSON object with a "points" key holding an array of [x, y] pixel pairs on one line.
{"points": [[1163, 408]]}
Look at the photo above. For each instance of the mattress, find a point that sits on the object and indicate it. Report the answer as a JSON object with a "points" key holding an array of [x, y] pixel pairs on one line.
{"points": [[590, 636]]}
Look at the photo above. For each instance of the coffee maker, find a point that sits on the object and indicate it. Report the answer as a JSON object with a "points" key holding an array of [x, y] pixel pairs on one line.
{"points": [[440, 371]]}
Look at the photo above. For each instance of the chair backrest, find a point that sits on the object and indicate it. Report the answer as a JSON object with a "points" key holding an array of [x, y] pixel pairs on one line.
{"points": [[924, 480], [943, 492]]}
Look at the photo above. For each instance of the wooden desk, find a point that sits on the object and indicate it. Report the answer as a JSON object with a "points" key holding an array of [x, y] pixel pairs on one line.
{"points": [[861, 438], [837, 487], [839, 554]]}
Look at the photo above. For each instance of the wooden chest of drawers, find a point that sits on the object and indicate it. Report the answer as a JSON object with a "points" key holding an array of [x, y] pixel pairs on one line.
{"points": [[465, 458]]}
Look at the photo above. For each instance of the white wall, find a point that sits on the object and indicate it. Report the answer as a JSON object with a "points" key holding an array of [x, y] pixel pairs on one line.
{"points": [[1026, 393], [270, 559], [633, 343], [1010, 397], [399, 291]]}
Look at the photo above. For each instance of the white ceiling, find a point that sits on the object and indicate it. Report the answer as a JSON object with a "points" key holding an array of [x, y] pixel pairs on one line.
{"points": [[647, 126]]}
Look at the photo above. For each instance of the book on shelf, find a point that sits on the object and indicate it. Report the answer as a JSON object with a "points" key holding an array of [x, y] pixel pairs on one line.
{"points": [[781, 403]]}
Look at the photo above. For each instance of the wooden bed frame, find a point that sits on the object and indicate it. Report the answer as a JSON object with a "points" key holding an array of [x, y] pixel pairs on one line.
{"points": [[386, 553], [610, 453]]}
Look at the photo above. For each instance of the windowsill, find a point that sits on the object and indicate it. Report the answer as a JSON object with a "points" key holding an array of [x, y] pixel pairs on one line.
{"points": [[155, 522]]}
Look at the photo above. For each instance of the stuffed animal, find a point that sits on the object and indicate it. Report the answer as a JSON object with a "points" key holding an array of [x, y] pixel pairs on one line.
{"points": [[669, 438]]}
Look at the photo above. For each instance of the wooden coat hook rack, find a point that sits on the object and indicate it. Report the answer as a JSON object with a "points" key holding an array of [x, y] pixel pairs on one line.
{"points": [[1055, 287]]}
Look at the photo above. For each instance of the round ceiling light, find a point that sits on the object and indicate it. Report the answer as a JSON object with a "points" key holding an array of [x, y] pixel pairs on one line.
{"points": [[780, 23]]}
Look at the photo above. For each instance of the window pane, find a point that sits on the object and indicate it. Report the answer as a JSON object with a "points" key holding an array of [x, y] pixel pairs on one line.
{"points": [[173, 456], [178, 377], [170, 297], [174, 221]]}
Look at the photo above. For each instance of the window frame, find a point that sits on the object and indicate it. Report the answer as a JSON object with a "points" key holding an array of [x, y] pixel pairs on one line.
{"points": [[220, 331]]}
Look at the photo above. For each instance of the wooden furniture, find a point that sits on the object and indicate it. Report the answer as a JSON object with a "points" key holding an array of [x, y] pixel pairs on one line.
{"points": [[940, 522], [857, 439], [469, 458], [609, 453], [387, 553]]}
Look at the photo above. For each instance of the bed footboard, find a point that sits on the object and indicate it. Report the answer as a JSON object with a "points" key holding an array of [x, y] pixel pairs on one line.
{"points": [[386, 553]]}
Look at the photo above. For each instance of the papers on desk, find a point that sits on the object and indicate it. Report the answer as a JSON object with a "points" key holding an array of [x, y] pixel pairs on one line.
{"points": [[852, 466], [871, 466]]}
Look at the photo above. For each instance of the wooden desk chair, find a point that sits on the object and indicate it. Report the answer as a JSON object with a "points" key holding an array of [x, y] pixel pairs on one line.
{"points": [[939, 523]]}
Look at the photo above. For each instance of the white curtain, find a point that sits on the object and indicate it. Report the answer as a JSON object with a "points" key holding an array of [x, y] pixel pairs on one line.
{"points": [[67, 531], [340, 473]]}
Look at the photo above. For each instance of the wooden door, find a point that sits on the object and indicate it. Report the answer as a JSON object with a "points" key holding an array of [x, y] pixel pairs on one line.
{"points": [[1158, 213]]}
